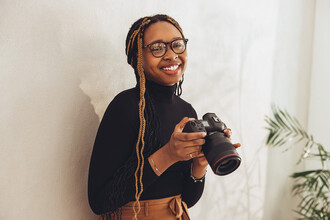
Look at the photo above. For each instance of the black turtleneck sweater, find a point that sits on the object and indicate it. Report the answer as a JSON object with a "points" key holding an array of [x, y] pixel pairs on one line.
{"points": [[115, 141]]}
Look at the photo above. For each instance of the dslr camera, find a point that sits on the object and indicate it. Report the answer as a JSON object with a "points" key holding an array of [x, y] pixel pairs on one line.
{"points": [[218, 150]]}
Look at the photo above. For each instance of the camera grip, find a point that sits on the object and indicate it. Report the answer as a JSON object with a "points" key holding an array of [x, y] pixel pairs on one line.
{"points": [[194, 126]]}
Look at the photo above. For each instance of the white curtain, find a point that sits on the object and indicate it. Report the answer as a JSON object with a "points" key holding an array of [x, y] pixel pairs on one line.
{"points": [[319, 105], [62, 62], [300, 74]]}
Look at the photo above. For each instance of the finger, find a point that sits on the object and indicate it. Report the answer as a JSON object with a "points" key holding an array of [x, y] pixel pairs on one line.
{"points": [[193, 143], [200, 154], [179, 127], [184, 136], [228, 132], [190, 156], [193, 154], [189, 150], [237, 145]]}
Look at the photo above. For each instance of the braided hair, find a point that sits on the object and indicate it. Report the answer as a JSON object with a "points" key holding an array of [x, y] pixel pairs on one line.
{"points": [[149, 127]]}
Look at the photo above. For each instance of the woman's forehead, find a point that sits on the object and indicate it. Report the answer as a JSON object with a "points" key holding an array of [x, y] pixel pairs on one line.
{"points": [[161, 31]]}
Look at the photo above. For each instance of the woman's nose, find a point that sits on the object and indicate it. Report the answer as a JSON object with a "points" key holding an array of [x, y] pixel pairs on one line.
{"points": [[170, 55]]}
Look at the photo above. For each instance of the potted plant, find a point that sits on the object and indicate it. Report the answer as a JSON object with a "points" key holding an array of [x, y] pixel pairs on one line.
{"points": [[311, 186]]}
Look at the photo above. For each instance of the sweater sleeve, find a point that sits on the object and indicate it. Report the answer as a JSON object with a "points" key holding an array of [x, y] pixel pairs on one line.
{"points": [[192, 191], [115, 142]]}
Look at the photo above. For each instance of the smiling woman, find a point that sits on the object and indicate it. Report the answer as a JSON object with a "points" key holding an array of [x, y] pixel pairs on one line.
{"points": [[161, 65], [143, 165]]}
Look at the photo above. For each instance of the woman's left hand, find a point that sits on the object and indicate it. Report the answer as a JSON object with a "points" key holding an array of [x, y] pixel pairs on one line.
{"points": [[228, 134], [200, 163]]}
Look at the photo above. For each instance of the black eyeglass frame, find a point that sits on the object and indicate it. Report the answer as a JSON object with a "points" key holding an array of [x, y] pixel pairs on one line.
{"points": [[185, 40]]}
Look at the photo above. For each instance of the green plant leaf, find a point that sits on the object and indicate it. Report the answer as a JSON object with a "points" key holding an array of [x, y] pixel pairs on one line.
{"points": [[311, 186], [304, 173]]}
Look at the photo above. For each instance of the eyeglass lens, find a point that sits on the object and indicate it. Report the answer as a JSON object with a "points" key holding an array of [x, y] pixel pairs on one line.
{"points": [[158, 49]]}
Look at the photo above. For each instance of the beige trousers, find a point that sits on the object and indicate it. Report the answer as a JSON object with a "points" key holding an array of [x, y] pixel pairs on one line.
{"points": [[170, 208]]}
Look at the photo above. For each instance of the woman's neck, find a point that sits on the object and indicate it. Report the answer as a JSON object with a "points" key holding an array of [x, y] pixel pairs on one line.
{"points": [[159, 92]]}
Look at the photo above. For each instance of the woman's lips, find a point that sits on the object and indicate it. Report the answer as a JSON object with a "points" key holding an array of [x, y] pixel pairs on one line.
{"points": [[171, 70]]}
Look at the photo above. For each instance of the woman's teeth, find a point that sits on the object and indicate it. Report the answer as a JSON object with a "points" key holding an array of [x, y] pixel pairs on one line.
{"points": [[171, 68]]}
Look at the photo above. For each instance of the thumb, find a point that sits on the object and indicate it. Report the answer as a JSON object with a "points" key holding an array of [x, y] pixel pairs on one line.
{"points": [[179, 127]]}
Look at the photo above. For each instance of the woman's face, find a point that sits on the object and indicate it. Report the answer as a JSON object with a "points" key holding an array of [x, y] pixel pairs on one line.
{"points": [[166, 70]]}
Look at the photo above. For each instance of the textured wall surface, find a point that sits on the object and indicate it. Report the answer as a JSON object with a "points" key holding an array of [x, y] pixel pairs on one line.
{"points": [[62, 62]]}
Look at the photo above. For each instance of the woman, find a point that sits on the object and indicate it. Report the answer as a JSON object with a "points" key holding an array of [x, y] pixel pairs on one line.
{"points": [[143, 165]]}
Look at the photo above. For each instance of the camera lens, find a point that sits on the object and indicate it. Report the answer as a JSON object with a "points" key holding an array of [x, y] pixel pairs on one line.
{"points": [[221, 154], [227, 166]]}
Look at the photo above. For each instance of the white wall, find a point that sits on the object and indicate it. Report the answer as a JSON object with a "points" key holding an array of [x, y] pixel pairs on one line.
{"points": [[47, 122], [62, 62]]}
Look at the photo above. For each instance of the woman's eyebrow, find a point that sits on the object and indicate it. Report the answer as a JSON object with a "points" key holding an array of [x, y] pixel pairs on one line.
{"points": [[159, 41]]}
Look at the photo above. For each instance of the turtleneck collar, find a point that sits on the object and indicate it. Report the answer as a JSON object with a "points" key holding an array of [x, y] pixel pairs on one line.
{"points": [[160, 93]]}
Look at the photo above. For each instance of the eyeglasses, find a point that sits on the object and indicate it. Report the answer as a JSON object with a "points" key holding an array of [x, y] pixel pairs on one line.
{"points": [[159, 49]]}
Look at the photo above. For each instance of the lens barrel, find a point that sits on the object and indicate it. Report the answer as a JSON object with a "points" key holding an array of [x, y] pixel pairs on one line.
{"points": [[221, 154]]}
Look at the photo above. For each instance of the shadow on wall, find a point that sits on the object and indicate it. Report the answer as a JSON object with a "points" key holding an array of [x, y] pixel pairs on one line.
{"points": [[79, 125], [82, 130]]}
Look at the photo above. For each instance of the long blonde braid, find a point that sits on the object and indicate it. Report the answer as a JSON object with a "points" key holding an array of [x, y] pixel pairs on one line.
{"points": [[139, 152]]}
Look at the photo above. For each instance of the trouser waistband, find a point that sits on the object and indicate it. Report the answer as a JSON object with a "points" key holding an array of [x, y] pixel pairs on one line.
{"points": [[163, 209]]}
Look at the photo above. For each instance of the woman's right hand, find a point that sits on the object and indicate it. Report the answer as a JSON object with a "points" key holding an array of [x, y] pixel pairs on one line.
{"points": [[184, 146]]}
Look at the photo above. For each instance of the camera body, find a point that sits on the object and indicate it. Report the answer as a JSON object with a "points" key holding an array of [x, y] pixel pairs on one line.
{"points": [[218, 150]]}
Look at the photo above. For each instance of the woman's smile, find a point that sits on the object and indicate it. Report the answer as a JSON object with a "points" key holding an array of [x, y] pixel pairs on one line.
{"points": [[172, 69]]}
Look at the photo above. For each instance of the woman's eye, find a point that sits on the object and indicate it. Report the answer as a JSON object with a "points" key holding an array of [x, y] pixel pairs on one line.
{"points": [[177, 45], [156, 47]]}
